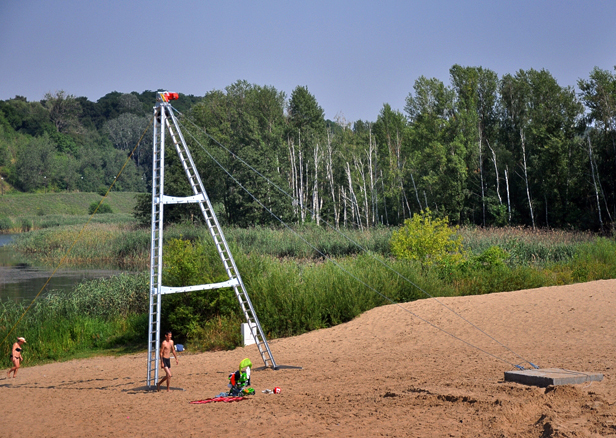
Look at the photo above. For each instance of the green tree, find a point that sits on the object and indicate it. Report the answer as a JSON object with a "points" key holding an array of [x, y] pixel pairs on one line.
{"points": [[35, 164], [189, 263], [64, 110], [540, 120], [439, 153], [26, 117], [477, 127], [126, 131], [599, 95], [396, 162], [306, 137], [249, 121]]}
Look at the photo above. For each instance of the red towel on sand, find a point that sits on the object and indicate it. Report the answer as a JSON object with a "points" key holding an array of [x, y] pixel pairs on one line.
{"points": [[217, 399]]}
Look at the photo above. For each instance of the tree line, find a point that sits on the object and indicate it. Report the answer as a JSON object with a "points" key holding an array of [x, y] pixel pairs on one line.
{"points": [[69, 143], [518, 149]]}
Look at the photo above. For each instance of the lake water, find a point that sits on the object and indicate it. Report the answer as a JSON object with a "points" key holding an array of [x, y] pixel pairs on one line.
{"points": [[21, 281]]}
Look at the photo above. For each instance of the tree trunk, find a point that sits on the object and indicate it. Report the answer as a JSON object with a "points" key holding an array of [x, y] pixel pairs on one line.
{"points": [[416, 194], [316, 216], [530, 203], [294, 185], [302, 211], [353, 198], [483, 196], [372, 170], [508, 197], [384, 199], [360, 168], [330, 178], [545, 199], [594, 181], [500, 201]]}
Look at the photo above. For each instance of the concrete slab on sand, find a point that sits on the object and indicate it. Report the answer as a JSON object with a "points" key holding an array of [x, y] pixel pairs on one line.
{"points": [[551, 376]]}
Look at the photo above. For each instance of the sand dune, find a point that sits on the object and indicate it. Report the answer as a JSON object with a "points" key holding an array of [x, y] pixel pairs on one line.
{"points": [[387, 373]]}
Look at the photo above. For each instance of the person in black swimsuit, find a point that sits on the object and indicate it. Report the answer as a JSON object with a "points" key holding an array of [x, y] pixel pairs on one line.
{"points": [[16, 357], [166, 349]]}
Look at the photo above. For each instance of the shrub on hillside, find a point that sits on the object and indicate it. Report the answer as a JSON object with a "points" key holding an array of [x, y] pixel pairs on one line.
{"points": [[26, 225], [103, 208], [5, 223]]}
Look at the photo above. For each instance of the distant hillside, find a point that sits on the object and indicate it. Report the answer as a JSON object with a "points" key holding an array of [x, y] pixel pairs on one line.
{"points": [[62, 203]]}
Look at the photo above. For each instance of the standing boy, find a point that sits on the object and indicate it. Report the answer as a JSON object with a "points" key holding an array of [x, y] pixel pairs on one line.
{"points": [[166, 348]]}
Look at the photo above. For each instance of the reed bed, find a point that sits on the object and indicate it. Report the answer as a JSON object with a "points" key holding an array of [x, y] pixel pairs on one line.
{"points": [[291, 298], [122, 244], [525, 246], [24, 224], [118, 242]]}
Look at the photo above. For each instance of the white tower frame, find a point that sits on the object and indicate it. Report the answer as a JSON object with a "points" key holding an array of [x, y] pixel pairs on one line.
{"points": [[166, 124]]}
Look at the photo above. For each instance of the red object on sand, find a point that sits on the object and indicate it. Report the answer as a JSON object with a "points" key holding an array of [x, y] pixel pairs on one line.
{"points": [[217, 399]]}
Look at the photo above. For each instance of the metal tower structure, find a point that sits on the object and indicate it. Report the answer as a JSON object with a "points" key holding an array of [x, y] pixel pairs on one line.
{"points": [[166, 126]]}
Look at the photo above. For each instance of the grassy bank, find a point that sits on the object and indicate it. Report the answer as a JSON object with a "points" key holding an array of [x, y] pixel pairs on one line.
{"points": [[33, 204], [26, 212]]}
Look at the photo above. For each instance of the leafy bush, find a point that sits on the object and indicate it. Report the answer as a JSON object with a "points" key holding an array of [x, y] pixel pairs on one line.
{"points": [[187, 263], [103, 208], [491, 258], [428, 240], [5, 223], [26, 225]]}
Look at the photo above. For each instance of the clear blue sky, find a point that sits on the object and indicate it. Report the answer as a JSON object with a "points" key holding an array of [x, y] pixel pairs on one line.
{"points": [[352, 56]]}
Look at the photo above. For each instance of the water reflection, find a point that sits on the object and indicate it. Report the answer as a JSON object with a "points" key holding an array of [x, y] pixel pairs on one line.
{"points": [[22, 281]]}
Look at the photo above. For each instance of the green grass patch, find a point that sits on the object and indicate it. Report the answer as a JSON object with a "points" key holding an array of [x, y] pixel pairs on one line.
{"points": [[44, 204]]}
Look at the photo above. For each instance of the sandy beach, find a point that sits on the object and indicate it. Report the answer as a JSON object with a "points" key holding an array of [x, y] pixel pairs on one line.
{"points": [[414, 370]]}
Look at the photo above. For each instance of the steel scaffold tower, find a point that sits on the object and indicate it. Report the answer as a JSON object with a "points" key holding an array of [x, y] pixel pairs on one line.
{"points": [[165, 122]]}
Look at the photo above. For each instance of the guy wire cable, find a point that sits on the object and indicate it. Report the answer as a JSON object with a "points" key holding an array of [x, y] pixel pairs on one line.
{"points": [[68, 251], [346, 271], [359, 245]]}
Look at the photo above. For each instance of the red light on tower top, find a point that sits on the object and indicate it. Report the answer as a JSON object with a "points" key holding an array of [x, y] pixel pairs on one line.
{"points": [[167, 96]]}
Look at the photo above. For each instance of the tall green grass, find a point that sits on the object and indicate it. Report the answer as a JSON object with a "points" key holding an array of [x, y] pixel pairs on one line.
{"points": [[116, 239], [98, 316], [124, 245], [293, 288], [525, 246], [309, 242], [291, 299], [23, 224]]}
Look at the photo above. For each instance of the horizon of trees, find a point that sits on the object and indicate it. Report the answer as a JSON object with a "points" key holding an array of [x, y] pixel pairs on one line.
{"points": [[483, 150]]}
